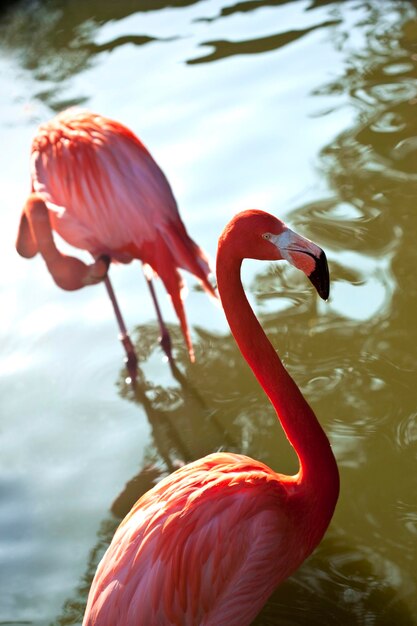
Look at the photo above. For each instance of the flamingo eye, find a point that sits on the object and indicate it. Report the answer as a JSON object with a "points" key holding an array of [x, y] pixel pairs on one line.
{"points": [[266, 236]]}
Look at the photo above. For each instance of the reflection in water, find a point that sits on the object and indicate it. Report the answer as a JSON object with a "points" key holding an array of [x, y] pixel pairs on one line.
{"points": [[340, 584], [224, 49], [64, 44], [183, 427], [251, 5]]}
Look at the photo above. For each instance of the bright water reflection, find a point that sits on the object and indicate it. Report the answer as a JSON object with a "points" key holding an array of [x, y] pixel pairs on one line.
{"points": [[303, 108]]}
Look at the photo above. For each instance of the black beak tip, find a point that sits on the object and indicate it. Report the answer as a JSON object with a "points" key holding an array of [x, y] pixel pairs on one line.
{"points": [[320, 277]]}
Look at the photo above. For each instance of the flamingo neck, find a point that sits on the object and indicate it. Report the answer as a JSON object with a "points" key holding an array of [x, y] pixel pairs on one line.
{"points": [[318, 475]]}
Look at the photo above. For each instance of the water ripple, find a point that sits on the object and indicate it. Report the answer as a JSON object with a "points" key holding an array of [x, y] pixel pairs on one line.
{"points": [[406, 432], [225, 48]]}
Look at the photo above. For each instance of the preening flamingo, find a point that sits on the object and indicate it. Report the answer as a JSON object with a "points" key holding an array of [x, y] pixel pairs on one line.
{"points": [[96, 185], [209, 543]]}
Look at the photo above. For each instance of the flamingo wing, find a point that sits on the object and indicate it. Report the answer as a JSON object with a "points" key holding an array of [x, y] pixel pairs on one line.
{"points": [[104, 189], [195, 550]]}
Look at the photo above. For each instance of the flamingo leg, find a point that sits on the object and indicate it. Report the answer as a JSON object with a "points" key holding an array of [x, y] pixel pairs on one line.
{"points": [[131, 358], [164, 339], [35, 235]]}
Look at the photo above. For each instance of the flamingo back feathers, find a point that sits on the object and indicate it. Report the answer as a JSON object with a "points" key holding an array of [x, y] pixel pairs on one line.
{"points": [[177, 558], [99, 180], [106, 194]]}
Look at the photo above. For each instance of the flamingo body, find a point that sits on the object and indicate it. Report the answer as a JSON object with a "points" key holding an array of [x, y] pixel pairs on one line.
{"points": [[207, 545], [105, 193]]}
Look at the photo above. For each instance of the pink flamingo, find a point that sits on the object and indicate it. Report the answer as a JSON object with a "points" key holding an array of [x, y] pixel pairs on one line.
{"points": [[97, 186], [208, 544]]}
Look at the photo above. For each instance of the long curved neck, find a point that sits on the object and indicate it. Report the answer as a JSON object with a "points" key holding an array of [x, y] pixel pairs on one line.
{"points": [[318, 470]]}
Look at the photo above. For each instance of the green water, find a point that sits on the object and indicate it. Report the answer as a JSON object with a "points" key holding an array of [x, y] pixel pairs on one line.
{"points": [[306, 109]]}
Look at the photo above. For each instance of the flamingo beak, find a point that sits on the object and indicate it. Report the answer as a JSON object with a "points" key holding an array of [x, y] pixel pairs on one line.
{"points": [[320, 276], [307, 257]]}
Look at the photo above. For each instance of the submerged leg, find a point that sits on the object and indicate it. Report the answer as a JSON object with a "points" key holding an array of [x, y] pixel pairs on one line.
{"points": [[35, 235], [165, 339], [131, 358]]}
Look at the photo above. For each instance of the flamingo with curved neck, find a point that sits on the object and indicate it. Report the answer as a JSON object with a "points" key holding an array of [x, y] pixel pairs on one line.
{"points": [[209, 544], [97, 186]]}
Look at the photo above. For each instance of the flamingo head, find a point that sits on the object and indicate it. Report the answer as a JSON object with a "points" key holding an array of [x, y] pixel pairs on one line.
{"points": [[259, 235]]}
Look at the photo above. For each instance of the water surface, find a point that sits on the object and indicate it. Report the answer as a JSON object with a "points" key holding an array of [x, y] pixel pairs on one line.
{"points": [[306, 109]]}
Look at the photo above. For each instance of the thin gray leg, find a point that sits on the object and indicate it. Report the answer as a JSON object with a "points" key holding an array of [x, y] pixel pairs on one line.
{"points": [[164, 339], [131, 358]]}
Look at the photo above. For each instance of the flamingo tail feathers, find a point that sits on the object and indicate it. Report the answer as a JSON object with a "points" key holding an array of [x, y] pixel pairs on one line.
{"points": [[176, 250], [175, 287], [188, 255]]}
